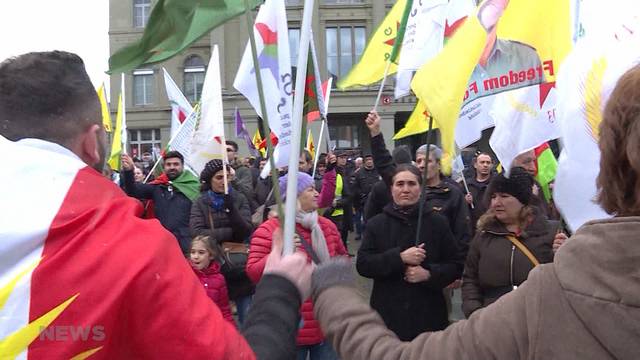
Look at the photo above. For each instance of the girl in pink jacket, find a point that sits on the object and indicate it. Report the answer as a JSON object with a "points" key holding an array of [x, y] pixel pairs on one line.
{"points": [[202, 256]]}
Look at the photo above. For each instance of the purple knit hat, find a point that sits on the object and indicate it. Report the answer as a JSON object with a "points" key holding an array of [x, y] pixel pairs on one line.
{"points": [[304, 181]]}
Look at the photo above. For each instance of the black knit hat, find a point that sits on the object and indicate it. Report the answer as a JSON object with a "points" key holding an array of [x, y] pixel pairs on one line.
{"points": [[518, 185], [210, 169]]}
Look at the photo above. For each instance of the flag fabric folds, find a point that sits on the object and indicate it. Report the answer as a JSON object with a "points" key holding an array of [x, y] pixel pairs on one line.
{"points": [[180, 106], [241, 132], [586, 79], [104, 108], [117, 141], [426, 29], [515, 53], [370, 68], [172, 27], [208, 138], [547, 166], [272, 42], [310, 146], [257, 140], [524, 118]]}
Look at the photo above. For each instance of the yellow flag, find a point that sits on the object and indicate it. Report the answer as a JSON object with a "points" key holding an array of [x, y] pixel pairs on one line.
{"points": [[257, 139], [370, 68], [418, 122], [106, 117], [310, 147], [443, 83], [116, 143]]}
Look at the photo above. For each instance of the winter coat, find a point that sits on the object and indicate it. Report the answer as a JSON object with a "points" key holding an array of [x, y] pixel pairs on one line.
{"points": [[244, 183], [480, 204], [231, 225], [171, 208], [494, 265], [216, 288], [310, 332], [363, 181], [408, 309], [445, 198], [345, 202], [378, 198], [584, 305]]}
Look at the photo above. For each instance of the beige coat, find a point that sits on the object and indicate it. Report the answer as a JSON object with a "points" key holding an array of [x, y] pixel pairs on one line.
{"points": [[585, 305]]}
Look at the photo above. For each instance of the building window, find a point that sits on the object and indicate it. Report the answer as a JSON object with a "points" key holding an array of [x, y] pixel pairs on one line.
{"points": [[345, 45], [142, 87], [332, 2], [145, 141], [293, 2], [141, 11], [294, 45], [344, 136], [194, 71]]}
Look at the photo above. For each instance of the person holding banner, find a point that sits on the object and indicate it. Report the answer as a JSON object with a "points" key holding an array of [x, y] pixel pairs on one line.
{"points": [[320, 239], [584, 305], [172, 194]]}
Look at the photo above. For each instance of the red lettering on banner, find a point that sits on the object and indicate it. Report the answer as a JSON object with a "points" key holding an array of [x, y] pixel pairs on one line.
{"points": [[548, 66], [516, 77]]}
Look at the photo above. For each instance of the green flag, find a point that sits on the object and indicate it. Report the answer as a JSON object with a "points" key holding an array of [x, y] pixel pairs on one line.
{"points": [[173, 26]]}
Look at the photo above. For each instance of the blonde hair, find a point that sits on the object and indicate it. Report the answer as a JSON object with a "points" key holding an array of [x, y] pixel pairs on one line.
{"points": [[526, 215], [208, 242]]}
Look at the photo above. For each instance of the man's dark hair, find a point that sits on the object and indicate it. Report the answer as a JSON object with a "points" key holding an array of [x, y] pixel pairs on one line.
{"points": [[173, 154], [233, 144], [47, 96]]}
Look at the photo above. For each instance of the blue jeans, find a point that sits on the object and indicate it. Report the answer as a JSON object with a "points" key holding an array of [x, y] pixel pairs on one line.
{"points": [[321, 351], [242, 305]]}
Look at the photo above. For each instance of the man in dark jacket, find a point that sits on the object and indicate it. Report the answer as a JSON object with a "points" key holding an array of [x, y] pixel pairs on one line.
{"points": [[341, 210], [477, 185], [172, 194], [441, 197], [364, 179], [243, 177]]}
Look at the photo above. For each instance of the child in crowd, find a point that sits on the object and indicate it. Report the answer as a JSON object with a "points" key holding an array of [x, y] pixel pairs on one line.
{"points": [[203, 256]]}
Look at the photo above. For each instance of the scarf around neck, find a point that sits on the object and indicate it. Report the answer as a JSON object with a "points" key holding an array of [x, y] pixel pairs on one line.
{"points": [[186, 183], [309, 220]]}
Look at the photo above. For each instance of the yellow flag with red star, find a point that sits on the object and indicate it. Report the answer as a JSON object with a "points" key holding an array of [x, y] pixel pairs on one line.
{"points": [[370, 68]]}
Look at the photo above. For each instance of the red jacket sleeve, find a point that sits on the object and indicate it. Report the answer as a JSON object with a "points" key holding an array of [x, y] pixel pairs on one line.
{"points": [[328, 189], [259, 249]]}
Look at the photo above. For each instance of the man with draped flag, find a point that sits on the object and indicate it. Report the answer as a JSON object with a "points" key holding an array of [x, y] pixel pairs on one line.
{"points": [[82, 276]]}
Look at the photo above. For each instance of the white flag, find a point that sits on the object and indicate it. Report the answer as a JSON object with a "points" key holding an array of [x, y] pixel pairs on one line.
{"points": [[272, 42], [585, 82], [208, 139], [180, 106], [181, 141], [424, 36], [524, 118]]}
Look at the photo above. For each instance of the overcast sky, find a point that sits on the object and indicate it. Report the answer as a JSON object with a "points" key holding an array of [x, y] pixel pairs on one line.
{"points": [[79, 26]]}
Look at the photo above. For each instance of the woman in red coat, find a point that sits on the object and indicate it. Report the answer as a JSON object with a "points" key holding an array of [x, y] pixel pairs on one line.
{"points": [[202, 257], [315, 231]]}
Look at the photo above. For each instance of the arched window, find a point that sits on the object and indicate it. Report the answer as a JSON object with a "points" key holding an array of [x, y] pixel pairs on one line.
{"points": [[193, 77], [141, 11]]}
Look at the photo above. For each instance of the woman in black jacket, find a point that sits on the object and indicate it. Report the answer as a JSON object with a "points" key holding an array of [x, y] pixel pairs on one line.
{"points": [[409, 276], [228, 218]]}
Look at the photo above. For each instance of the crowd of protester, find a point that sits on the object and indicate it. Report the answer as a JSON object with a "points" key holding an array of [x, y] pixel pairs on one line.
{"points": [[420, 235]]}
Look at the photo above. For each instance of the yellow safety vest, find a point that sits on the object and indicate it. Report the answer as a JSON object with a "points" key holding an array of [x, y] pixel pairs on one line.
{"points": [[338, 195]]}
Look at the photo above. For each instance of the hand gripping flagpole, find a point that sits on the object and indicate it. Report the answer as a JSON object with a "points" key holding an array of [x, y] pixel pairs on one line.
{"points": [[263, 108], [298, 102], [423, 193]]}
